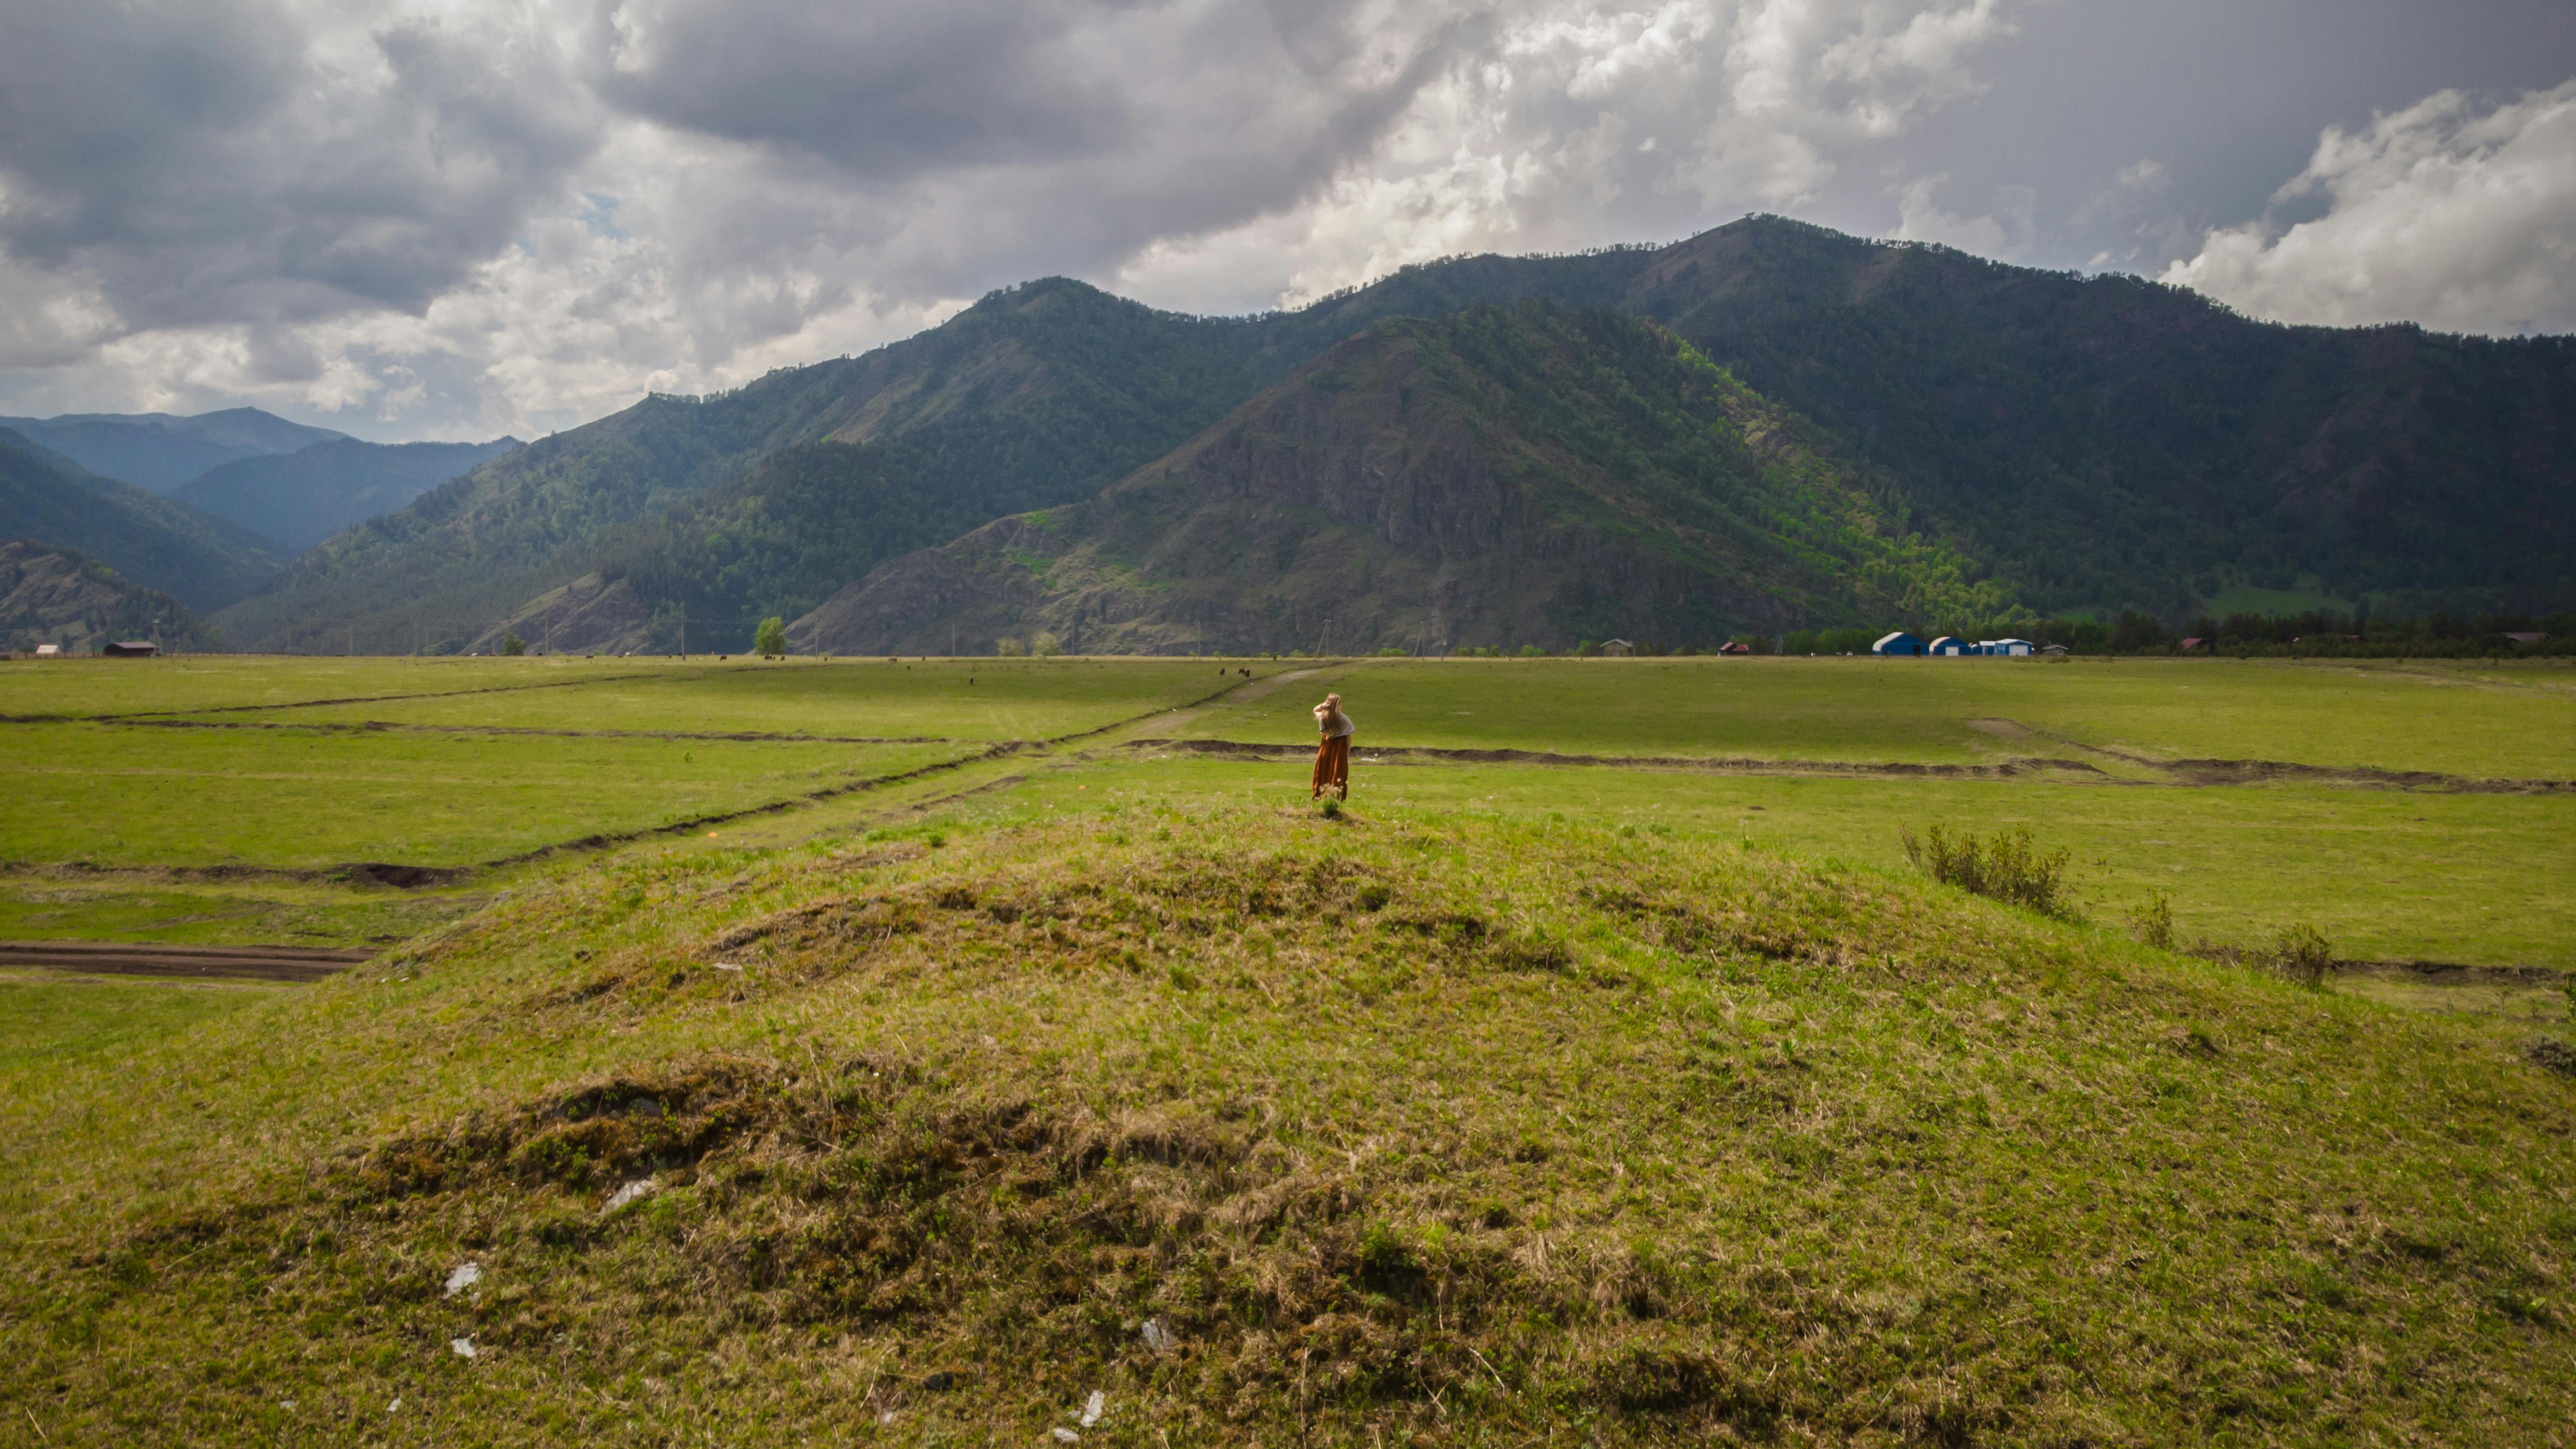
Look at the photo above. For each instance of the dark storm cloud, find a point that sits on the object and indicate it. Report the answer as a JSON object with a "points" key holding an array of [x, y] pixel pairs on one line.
{"points": [[886, 91], [1019, 134], [474, 215], [232, 160]]}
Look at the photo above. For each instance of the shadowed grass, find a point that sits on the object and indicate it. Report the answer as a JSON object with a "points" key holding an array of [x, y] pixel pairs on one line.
{"points": [[1403, 1129]]}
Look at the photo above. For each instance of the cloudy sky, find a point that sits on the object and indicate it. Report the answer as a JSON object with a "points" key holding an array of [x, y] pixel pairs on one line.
{"points": [[457, 218]]}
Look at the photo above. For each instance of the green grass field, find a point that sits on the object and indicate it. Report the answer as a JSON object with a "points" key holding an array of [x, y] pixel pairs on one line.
{"points": [[2238, 864], [2473, 722], [136, 796], [1515, 1104]]}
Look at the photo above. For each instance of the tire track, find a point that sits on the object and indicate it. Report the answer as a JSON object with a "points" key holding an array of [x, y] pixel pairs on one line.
{"points": [[239, 963]]}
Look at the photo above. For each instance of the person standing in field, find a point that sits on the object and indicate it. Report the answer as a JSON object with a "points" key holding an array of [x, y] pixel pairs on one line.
{"points": [[1333, 756]]}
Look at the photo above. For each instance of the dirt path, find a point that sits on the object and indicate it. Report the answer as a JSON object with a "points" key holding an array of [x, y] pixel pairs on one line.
{"points": [[128, 958]]}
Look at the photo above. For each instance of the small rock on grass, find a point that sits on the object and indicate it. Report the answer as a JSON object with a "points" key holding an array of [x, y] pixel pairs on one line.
{"points": [[627, 1196], [466, 1276], [462, 1347]]}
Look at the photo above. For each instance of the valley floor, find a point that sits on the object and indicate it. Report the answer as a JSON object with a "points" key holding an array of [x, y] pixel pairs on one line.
{"points": [[901, 1051]]}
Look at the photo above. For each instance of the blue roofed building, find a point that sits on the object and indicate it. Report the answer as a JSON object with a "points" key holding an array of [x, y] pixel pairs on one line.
{"points": [[1899, 642]]}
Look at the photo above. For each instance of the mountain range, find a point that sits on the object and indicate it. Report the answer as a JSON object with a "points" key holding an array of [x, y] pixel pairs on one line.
{"points": [[299, 499], [207, 508], [1524, 473], [157, 543], [158, 452], [1767, 426]]}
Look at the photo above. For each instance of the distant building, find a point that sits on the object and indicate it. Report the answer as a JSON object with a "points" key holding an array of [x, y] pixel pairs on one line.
{"points": [[1899, 642], [1619, 647], [49, 651], [1950, 645], [1732, 647], [2004, 648], [2194, 642], [2526, 636], [2057, 651], [131, 649]]}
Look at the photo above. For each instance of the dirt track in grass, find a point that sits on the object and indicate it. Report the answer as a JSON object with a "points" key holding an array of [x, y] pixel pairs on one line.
{"points": [[245, 963]]}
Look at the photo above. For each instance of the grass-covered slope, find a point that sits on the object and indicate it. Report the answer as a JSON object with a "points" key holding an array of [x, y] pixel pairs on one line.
{"points": [[1510, 476], [156, 542], [1267, 1129]]}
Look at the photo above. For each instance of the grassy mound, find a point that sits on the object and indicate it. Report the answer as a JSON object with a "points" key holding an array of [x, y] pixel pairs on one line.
{"points": [[1376, 1130]]}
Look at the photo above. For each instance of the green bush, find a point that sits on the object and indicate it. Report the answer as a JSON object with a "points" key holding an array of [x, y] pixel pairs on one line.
{"points": [[2152, 923], [513, 645], [2005, 867], [770, 638], [2301, 953]]}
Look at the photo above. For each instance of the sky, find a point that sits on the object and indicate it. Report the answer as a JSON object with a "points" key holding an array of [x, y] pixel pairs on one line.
{"points": [[411, 219]]}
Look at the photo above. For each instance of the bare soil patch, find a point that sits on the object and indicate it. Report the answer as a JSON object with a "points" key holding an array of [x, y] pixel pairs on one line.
{"points": [[122, 958]]}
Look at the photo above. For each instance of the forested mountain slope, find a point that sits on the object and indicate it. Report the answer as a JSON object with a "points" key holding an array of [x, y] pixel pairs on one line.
{"points": [[1496, 476], [299, 499], [2092, 442], [1041, 394], [56, 596], [2111, 441], [156, 542]]}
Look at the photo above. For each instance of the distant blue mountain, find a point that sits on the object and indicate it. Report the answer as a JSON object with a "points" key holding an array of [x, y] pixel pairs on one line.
{"points": [[159, 543], [302, 498], [160, 452]]}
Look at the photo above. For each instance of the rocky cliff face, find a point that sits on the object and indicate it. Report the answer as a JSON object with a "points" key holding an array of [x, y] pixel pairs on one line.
{"points": [[1521, 476]]}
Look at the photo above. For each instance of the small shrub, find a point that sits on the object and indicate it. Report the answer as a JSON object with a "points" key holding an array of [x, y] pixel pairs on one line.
{"points": [[1332, 808], [2152, 923], [2004, 867], [513, 645], [2303, 954], [770, 639], [1532, 651]]}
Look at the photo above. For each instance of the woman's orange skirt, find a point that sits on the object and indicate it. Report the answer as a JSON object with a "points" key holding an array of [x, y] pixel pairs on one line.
{"points": [[1333, 767]]}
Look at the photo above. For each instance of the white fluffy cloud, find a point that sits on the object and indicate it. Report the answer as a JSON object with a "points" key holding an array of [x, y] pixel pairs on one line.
{"points": [[2444, 213], [414, 218], [465, 217]]}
